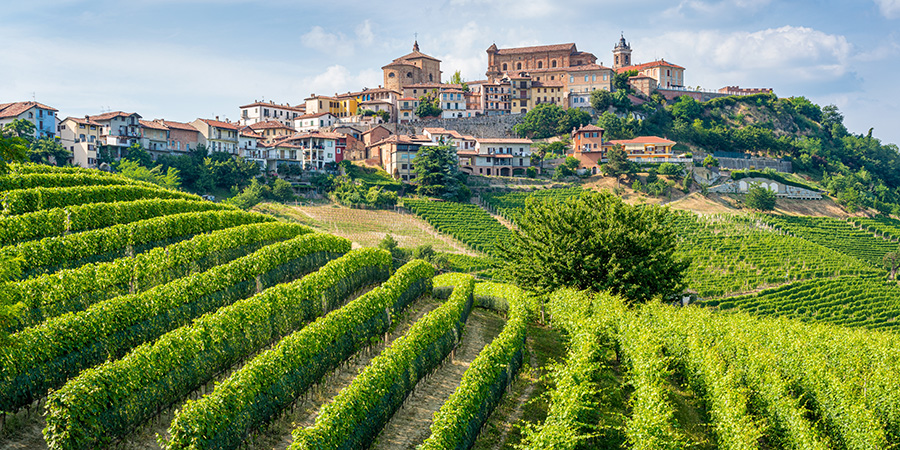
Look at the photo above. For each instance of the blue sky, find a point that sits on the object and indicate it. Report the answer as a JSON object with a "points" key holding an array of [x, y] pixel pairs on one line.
{"points": [[183, 59]]}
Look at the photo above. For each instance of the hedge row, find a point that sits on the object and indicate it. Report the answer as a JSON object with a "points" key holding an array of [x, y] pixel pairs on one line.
{"points": [[57, 221], [457, 424], [49, 180], [269, 383], [23, 201], [44, 357], [361, 410], [75, 289], [59, 252], [110, 400]]}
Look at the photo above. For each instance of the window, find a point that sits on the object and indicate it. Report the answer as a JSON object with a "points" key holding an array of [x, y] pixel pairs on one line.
{"points": [[571, 78], [391, 75], [540, 64], [81, 125], [504, 66], [553, 63], [593, 77], [518, 66], [408, 74], [585, 78]]}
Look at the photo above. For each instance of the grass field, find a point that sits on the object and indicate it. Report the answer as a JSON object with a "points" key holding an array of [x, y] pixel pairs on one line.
{"points": [[366, 228]]}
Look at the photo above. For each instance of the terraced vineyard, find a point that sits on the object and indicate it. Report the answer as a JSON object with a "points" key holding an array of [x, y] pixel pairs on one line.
{"points": [[507, 205], [464, 221], [839, 235], [847, 301], [149, 323]]}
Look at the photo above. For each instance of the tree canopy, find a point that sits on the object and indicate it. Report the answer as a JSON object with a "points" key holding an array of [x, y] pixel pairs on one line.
{"points": [[759, 198], [548, 119], [429, 107], [597, 242], [437, 173]]}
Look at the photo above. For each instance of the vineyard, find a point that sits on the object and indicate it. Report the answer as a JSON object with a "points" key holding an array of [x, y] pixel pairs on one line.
{"points": [[466, 222], [149, 318], [507, 205]]}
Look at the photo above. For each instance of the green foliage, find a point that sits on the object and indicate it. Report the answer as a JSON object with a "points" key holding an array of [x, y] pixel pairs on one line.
{"points": [[617, 163], [601, 100], [135, 171], [12, 149], [49, 180], [710, 161], [153, 376], [437, 174], [531, 172], [21, 128], [75, 289], [620, 80], [250, 196], [35, 199], [671, 169], [71, 219], [511, 204], [281, 191], [47, 150], [597, 242], [686, 109], [138, 154], [44, 357], [461, 417], [549, 119], [618, 128], [759, 198], [429, 107], [360, 410], [464, 221]]}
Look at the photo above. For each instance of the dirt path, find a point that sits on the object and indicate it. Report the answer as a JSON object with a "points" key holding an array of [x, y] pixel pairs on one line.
{"points": [[410, 426], [23, 430], [278, 434]]}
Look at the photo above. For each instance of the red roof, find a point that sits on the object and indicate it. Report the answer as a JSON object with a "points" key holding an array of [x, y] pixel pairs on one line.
{"points": [[152, 124], [110, 115], [644, 140], [268, 125], [639, 67], [220, 124], [178, 125], [535, 49], [83, 121], [16, 108], [589, 128], [313, 116]]}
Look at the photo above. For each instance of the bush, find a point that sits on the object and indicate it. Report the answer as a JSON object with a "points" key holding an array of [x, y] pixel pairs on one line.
{"points": [[760, 198]]}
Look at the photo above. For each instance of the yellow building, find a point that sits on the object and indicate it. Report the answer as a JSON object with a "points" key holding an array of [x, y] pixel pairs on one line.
{"points": [[547, 92], [81, 136]]}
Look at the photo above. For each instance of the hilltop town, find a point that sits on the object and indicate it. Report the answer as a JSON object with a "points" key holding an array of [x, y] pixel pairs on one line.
{"points": [[386, 125]]}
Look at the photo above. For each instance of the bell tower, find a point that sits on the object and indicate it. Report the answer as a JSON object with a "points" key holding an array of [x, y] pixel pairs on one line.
{"points": [[621, 54]]}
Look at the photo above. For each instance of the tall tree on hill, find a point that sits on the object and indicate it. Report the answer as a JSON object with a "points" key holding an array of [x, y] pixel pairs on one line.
{"points": [[597, 242], [437, 173], [12, 149], [617, 163], [891, 260]]}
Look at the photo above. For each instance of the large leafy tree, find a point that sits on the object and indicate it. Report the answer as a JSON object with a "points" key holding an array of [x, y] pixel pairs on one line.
{"points": [[759, 198], [47, 150], [12, 149], [437, 173], [597, 242], [548, 119], [429, 107]]}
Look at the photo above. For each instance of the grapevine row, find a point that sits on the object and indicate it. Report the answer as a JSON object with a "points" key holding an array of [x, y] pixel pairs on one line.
{"points": [[361, 410], [53, 253], [51, 180], [464, 221], [460, 419], [110, 400], [44, 357], [58, 221], [269, 383], [29, 200], [72, 290]]}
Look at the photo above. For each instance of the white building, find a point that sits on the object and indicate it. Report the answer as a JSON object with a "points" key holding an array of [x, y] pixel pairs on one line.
{"points": [[312, 122], [497, 157], [265, 111], [453, 103]]}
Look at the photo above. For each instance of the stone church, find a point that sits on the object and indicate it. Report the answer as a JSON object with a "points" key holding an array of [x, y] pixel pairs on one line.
{"points": [[413, 68]]}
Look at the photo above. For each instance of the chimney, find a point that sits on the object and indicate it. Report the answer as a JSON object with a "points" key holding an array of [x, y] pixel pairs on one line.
{"points": [[217, 117]]}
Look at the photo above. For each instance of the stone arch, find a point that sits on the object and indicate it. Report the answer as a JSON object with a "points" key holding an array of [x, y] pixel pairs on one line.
{"points": [[504, 171], [774, 187], [742, 186]]}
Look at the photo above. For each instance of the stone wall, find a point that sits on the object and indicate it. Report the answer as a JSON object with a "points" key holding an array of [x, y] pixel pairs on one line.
{"points": [[480, 127], [756, 163]]}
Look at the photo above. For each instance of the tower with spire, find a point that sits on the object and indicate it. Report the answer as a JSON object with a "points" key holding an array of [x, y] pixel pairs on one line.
{"points": [[621, 53]]}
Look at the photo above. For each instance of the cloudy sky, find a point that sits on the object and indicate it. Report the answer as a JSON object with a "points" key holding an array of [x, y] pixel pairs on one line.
{"points": [[183, 59]]}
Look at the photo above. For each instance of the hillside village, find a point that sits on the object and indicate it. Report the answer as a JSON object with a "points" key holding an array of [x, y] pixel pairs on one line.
{"points": [[383, 126]]}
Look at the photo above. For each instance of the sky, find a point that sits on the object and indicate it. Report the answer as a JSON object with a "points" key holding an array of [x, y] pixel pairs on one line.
{"points": [[184, 59]]}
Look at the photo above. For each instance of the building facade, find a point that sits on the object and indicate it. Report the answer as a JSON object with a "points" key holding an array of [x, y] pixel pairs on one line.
{"points": [[42, 116], [507, 61], [412, 68]]}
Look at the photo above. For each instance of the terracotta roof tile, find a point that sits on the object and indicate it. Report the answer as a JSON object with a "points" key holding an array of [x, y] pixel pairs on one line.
{"points": [[16, 108], [274, 105], [537, 48], [110, 115], [152, 124], [269, 124], [639, 67], [504, 141], [644, 140], [179, 125], [83, 121], [220, 124]]}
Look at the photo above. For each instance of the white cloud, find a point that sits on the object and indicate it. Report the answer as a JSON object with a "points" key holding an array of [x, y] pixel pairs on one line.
{"points": [[364, 33], [720, 8], [512, 9], [339, 44], [889, 8], [337, 79], [798, 52]]}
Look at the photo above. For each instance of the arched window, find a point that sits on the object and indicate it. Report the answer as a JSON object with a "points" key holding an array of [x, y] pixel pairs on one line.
{"points": [[408, 74], [553, 63], [391, 75], [504, 66], [540, 64], [518, 66], [430, 77]]}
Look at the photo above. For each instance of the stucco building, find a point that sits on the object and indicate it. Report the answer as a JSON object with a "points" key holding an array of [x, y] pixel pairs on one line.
{"points": [[412, 68]]}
